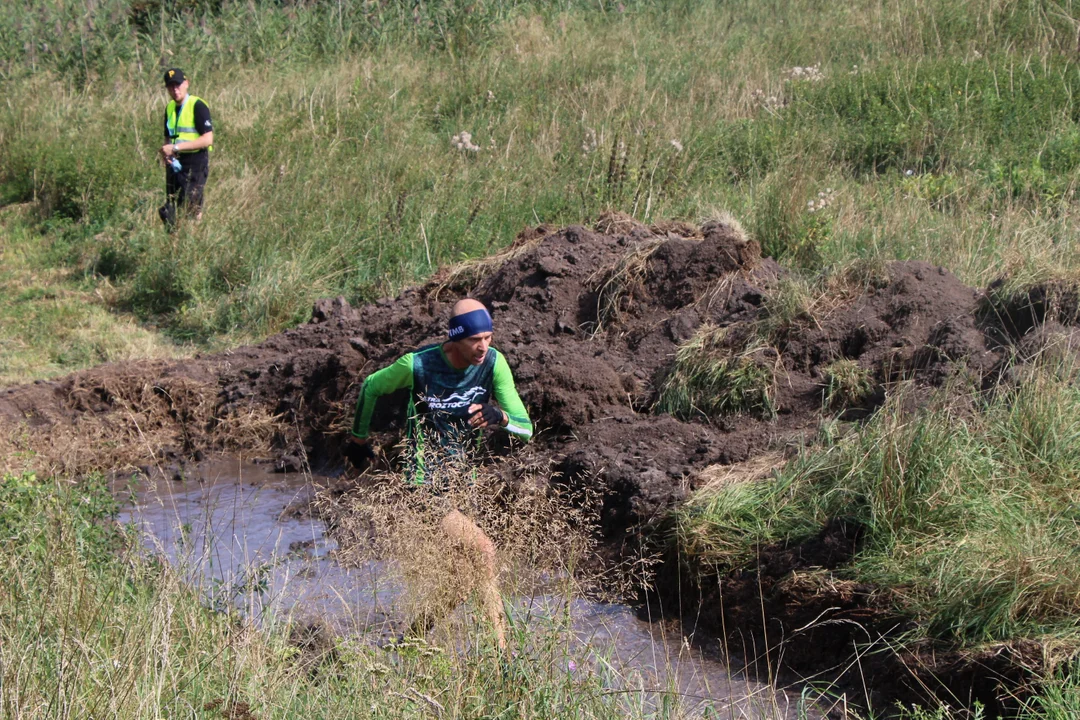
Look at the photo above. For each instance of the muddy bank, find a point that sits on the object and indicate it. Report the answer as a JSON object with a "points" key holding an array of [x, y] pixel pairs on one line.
{"points": [[793, 618], [591, 321]]}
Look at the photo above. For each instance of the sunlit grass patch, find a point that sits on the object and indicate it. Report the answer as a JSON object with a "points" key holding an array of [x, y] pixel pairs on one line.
{"points": [[711, 378], [846, 384], [54, 321], [967, 517]]}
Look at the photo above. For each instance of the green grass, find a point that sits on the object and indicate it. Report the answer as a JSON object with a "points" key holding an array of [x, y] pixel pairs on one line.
{"points": [[710, 378], [846, 384], [969, 517], [334, 171], [54, 318]]}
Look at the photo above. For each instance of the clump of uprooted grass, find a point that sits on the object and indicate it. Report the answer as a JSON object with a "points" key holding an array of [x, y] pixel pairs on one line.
{"points": [[793, 301], [846, 384], [616, 286], [716, 375], [91, 626], [968, 517], [466, 275], [796, 300]]}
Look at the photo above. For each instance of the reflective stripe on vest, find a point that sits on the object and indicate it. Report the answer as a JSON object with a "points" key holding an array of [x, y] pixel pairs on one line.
{"points": [[182, 128]]}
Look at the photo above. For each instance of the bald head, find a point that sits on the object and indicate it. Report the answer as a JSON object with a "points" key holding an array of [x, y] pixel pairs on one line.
{"points": [[467, 305], [470, 334]]}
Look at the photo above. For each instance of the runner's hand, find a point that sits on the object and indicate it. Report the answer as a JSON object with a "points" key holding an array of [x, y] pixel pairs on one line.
{"points": [[484, 415], [358, 454]]}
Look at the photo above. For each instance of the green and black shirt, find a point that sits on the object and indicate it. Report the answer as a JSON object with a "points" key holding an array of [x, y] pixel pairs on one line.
{"points": [[440, 396]]}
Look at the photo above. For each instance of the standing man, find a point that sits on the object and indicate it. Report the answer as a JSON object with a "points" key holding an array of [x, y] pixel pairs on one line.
{"points": [[189, 139], [451, 387]]}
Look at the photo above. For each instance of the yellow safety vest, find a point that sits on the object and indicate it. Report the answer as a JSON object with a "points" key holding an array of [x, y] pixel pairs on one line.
{"points": [[182, 128]]}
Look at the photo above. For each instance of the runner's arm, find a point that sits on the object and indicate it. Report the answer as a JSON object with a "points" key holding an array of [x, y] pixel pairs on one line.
{"points": [[506, 394], [385, 381]]}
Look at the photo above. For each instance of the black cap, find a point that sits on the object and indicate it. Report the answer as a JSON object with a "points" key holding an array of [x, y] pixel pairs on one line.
{"points": [[174, 76]]}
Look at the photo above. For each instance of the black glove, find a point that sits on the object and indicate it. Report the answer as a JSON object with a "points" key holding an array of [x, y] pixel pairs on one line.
{"points": [[493, 416], [358, 453]]}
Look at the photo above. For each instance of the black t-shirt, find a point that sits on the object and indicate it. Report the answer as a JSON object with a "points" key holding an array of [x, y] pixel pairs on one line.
{"points": [[202, 120]]}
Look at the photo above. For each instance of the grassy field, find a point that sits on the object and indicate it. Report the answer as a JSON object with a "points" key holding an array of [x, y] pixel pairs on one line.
{"points": [[935, 130]]}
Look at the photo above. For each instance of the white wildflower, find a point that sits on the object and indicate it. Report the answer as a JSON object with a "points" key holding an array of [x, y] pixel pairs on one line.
{"points": [[824, 199], [758, 98], [463, 141], [589, 144], [811, 73], [490, 96]]}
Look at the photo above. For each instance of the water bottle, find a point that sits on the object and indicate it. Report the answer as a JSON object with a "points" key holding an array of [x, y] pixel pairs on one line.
{"points": [[174, 163]]}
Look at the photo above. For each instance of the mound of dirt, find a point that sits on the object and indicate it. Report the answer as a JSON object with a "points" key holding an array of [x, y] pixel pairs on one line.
{"points": [[590, 322]]}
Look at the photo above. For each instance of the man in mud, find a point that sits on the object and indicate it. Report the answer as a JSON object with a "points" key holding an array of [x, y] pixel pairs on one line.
{"points": [[189, 139], [451, 387]]}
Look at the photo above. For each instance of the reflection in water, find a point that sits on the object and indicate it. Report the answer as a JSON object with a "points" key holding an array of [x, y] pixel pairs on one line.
{"points": [[245, 536]]}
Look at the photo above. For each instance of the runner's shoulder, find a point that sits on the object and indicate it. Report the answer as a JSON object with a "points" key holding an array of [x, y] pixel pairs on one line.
{"points": [[427, 349]]}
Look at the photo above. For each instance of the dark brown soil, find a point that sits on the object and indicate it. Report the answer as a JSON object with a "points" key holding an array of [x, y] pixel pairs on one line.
{"points": [[590, 337]]}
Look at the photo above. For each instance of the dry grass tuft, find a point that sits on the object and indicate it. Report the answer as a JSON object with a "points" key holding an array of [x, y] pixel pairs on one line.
{"points": [[857, 277], [622, 281], [614, 222], [544, 533], [724, 222], [716, 477], [678, 228], [465, 276]]}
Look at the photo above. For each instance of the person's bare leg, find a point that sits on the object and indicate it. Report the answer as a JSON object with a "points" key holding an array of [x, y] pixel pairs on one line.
{"points": [[461, 529]]}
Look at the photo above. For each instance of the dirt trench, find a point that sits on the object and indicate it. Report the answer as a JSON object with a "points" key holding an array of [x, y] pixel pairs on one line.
{"points": [[591, 320]]}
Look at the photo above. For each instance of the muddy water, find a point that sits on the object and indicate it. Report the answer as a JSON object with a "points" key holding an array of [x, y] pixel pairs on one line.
{"points": [[243, 535]]}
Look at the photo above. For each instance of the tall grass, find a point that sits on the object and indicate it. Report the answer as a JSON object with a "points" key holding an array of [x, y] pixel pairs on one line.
{"points": [[334, 171], [968, 516]]}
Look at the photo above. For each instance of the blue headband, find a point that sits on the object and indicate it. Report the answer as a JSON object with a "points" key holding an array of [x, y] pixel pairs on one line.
{"points": [[468, 324]]}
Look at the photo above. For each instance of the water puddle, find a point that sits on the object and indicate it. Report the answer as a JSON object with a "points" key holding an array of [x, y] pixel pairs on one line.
{"points": [[244, 534]]}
